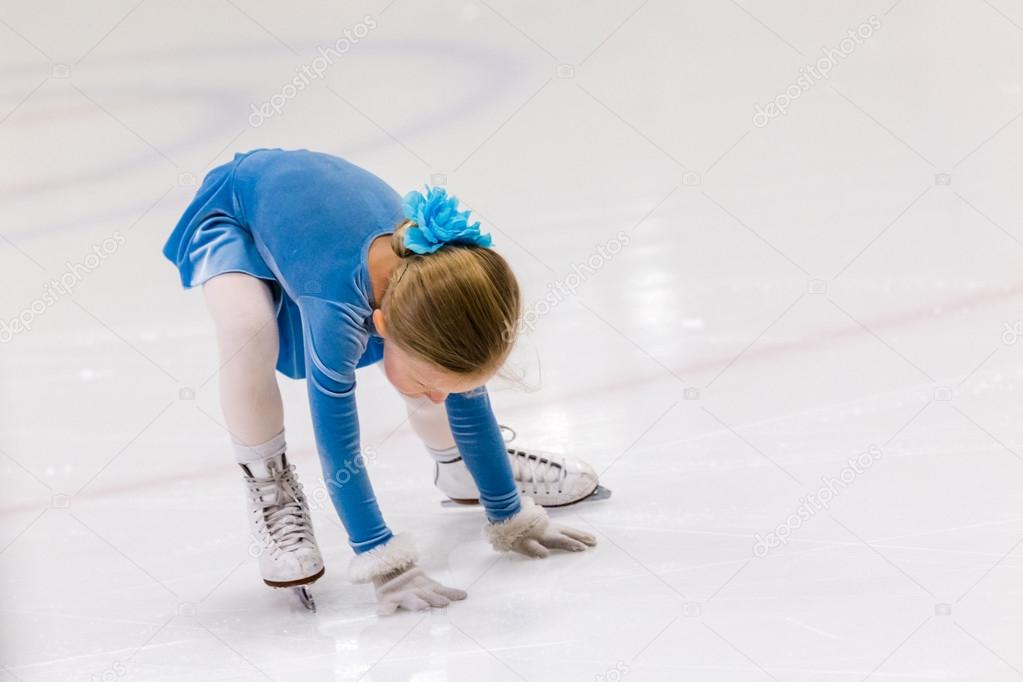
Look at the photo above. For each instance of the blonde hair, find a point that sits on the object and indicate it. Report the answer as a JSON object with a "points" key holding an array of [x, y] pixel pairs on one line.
{"points": [[457, 308]]}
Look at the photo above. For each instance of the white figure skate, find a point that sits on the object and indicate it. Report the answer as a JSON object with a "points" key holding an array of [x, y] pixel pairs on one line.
{"points": [[551, 480], [281, 529]]}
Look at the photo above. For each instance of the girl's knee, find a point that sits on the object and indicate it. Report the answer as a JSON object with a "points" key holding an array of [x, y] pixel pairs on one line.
{"points": [[242, 310]]}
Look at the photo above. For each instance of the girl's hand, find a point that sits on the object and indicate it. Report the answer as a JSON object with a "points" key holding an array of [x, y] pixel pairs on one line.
{"points": [[537, 543], [532, 534], [398, 580], [411, 589]]}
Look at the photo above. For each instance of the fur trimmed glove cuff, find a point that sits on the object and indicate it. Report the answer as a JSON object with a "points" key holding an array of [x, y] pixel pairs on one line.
{"points": [[505, 534], [396, 555]]}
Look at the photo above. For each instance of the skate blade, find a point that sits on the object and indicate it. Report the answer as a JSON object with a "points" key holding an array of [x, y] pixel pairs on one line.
{"points": [[599, 493], [305, 597]]}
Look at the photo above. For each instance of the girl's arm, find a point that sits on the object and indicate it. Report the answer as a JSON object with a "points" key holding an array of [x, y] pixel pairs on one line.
{"points": [[386, 560], [479, 441], [336, 426], [334, 341], [517, 526]]}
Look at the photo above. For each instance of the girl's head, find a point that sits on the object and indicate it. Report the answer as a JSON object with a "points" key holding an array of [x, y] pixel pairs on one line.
{"points": [[448, 317]]}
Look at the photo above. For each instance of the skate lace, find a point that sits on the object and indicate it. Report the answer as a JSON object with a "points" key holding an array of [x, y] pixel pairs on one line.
{"points": [[283, 505], [537, 471]]}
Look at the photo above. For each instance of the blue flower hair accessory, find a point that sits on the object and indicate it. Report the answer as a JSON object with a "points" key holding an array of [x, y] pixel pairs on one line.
{"points": [[438, 222]]}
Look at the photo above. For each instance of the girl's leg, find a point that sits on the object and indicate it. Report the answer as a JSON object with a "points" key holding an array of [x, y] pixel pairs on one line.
{"points": [[430, 422], [243, 313], [550, 480], [245, 318]]}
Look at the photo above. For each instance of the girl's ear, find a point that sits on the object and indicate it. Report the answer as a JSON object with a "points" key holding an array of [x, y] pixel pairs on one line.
{"points": [[378, 322]]}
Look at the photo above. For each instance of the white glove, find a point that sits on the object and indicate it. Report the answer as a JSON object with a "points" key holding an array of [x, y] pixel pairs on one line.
{"points": [[531, 533], [412, 590], [398, 581]]}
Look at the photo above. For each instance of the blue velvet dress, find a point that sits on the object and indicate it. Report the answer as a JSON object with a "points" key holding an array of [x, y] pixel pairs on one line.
{"points": [[303, 221]]}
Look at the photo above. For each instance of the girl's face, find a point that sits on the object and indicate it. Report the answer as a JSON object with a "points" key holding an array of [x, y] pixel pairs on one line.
{"points": [[417, 378]]}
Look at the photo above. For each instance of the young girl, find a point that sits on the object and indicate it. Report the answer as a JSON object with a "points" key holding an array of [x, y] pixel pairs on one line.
{"points": [[308, 264]]}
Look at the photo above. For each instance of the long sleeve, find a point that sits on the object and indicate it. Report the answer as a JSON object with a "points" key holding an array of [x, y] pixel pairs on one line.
{"points": [[479, 441], [336, 421]]}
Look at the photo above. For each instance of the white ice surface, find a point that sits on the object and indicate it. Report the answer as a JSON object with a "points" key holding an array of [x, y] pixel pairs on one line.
{"points": [[817, 284]]}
